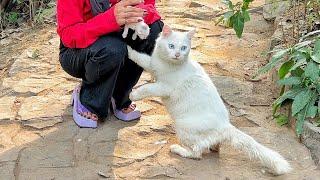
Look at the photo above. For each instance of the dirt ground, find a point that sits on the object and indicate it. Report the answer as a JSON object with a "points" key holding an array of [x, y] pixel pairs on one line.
{"points": [[38, 139]]}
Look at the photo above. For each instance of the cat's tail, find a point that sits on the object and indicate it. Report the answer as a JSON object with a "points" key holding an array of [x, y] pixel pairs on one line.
{"points": [[268, 157]]}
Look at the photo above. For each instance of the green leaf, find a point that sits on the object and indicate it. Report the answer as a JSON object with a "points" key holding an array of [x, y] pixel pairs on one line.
{"points": [[300, 101], [300, 120], [290, 81], [238, 23], [297, 72], [317, 123], [246, 15], [287, 95], [228, 3], [316, 52], [282, 120], [284, 69], [273, 62], [312, 111], [299, 63], [312, 71]]}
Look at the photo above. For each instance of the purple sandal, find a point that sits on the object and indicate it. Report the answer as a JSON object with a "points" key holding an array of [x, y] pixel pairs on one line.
{"points": [[79, 108], [131, 116]]}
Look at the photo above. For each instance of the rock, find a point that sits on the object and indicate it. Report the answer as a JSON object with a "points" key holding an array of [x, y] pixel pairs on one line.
{"points": [[201, 57], [42, 122], [128, 148], [233, 91], [6, 41], [273, 9], [143, 106], [276, 39], [237, 112], [6, 105], [43, 111], [311, 138], [33, 84], [195, 4]]}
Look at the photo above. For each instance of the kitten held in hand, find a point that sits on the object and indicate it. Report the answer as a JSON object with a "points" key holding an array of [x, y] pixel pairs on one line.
{"points": [[200, 117], [141, 29]]}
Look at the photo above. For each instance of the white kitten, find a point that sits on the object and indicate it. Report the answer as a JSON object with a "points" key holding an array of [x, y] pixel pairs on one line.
{"points": [[141, 29], [201, 118]]}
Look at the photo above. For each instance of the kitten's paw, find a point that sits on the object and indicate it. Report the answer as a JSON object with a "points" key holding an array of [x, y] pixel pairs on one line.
{"points": [[124, 35], [176, 148], [134, 96], [130, 50]]}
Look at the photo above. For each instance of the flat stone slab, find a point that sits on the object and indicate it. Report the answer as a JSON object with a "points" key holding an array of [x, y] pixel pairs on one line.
{"points": [[6, 105], [32, 84], [43, 111]]}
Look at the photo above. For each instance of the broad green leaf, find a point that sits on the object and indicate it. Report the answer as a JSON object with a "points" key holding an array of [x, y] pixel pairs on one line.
{"points": [[246, 15], [287, 95], [299, 63], [300, 101], [284, 69], [300, 120], [273, 62], [282, 120], [312, 111], [316, 52], [228, 3], [317, 123], [290, 81], [312, 71], [297, 72], [238, 23]]}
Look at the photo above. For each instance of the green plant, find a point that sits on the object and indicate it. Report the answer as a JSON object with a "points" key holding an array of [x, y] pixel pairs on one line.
{"points": [[236, 16], [299, 76]]}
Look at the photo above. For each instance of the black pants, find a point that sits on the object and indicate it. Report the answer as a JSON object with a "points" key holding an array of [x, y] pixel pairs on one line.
{"points": [[105, 69]]}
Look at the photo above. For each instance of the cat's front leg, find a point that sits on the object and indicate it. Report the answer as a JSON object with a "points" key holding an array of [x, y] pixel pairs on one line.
{"points": [[149, 90], [134, 36], [125, 31], [185, 152], [141, 59]]}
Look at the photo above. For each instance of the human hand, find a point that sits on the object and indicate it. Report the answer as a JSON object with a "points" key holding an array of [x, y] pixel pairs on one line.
{"points": [[125, 13]]}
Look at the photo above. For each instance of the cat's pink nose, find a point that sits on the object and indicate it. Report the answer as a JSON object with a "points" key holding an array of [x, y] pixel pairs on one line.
{"points": [[177, 54]]}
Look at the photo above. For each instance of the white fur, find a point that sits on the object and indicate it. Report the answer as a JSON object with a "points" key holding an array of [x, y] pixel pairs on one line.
{"points": [[141, 29], [201, 118]]}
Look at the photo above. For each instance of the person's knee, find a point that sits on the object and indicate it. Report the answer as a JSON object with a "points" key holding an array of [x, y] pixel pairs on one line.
{"points": [[108, 55], [111, 49]]}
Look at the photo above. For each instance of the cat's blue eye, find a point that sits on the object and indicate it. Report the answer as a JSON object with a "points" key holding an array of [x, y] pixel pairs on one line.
{"points": [[183, 48], [171, 46]]}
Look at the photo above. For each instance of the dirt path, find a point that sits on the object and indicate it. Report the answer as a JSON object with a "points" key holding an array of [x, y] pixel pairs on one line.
{"points": [[38, 139]]}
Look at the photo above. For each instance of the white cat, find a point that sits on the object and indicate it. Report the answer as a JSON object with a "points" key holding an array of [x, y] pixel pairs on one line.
{"points": [[200, 116], [141, 29]]}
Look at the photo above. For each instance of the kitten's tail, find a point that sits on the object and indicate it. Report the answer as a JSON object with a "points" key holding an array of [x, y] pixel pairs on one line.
{"points": [[268, 157]]}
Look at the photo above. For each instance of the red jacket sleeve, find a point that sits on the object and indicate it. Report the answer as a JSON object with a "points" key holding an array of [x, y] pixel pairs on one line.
{"points": [[74, 31], [153, 14]]}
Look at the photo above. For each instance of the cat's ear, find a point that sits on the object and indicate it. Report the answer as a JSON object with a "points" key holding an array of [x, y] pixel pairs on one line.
{"points": [[191, 33], [166, 31]]}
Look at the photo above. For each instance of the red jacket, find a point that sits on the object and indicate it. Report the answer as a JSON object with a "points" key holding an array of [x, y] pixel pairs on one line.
{"points": [[78, 28]]}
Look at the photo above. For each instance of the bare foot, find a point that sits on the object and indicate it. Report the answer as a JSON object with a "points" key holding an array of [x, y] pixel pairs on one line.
{"points": [[129, 109], [90, 115]]}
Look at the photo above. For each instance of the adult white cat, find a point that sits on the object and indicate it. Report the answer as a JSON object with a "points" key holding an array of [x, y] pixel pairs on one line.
{"points": [[201, 118], [141, 29]]}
